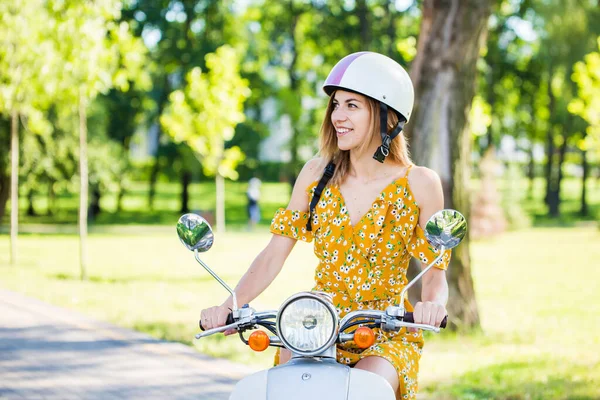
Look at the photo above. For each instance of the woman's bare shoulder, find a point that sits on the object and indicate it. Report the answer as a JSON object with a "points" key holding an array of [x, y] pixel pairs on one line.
{"points": [[426, 185], [312, 171]]}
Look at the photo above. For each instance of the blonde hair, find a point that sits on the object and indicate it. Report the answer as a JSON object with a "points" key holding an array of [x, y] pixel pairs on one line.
{"points": [[330, 151]]}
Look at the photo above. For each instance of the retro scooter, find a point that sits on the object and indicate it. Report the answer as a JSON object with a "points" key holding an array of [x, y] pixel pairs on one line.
{"points": [[307, 324]]}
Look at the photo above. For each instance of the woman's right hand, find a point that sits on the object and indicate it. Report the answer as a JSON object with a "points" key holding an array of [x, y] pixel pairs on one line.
{"points": [[215, 317]]}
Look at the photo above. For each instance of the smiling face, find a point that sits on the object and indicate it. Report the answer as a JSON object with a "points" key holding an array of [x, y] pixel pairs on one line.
{"points": [[351, 119], [351, 126]]}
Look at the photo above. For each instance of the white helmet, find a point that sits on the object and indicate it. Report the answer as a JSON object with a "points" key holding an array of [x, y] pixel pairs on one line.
{"points": [[376, 76], [380, 78]]}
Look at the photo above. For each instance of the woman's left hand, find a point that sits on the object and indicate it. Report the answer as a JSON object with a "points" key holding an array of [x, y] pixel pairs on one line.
{"points": [[428, 313]]}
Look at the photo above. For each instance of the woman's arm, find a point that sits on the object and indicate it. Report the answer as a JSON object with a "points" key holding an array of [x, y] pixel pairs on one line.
{"points": [[269, 262], [263, 270], [427, 189]]}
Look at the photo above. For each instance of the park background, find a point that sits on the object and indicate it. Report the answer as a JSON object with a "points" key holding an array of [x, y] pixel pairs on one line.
{"points": [[163, 107]]}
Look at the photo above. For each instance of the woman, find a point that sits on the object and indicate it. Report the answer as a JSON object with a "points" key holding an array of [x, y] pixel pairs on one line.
{"points": [[253, 196], [367, 221]]}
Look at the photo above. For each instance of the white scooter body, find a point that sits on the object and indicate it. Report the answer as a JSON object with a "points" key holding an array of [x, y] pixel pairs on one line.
{"points": [[310, 378]]}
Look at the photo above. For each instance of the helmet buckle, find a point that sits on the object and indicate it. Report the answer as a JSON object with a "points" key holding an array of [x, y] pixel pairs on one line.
{"points": [[381, 153], [386, 141]]}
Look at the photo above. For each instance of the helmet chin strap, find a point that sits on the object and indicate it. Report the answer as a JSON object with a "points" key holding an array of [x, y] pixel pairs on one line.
{"points": [[386, 140]]}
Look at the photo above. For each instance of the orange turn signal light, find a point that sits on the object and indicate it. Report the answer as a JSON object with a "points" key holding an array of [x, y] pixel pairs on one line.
{"points": [[259, 341], [364, 337]]}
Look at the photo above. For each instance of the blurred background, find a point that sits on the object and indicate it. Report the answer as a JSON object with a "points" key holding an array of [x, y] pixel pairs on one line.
{"points": [[157, 108]]}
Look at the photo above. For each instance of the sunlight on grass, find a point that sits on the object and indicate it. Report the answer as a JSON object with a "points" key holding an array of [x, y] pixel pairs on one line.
{"points": [[151, 283], [537, 294], [539, 306]]}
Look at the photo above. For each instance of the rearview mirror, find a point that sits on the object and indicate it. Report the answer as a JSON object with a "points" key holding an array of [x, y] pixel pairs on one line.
{"points": [[197, 235], [194, 232], [446, 228]]}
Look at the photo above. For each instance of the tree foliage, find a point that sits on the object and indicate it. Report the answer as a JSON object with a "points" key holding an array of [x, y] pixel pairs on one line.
{"points": [[587, 103], [204, 114]]}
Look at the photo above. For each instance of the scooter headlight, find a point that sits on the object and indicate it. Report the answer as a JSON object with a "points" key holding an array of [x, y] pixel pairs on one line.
{"points": [[307, 324]]}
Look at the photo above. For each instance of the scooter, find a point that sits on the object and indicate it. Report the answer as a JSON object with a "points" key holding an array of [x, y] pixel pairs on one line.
{"points": [[307, 324]]}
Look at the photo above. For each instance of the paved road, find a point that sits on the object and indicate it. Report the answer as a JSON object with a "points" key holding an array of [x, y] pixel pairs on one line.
{"points": [[48, 352]]}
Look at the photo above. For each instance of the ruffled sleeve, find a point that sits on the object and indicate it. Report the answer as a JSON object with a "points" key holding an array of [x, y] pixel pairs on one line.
{"points": [[291, 223], [419, 247]]}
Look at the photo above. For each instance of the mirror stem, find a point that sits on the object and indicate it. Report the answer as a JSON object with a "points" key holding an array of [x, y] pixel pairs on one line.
{"points": [[235, 307], [403, 294]]}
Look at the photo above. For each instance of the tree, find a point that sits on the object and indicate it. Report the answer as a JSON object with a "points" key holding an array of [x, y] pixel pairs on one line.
{"points": [[443, 72], [287, 55], [125, 113], [587, 105], [101, 53], [24, 82], [179, 33], [204, 115], [565, 39], [49, 156], [4, 162]]}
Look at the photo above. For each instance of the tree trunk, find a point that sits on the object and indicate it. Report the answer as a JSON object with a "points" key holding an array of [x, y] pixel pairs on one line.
{"points": [[220, 182], [30, 209], [561, 161], [186, 178], [548, 170], [83, 186], [531, 172], [120, 196], [156, 166], [363, 17], [51, 198], [293, 167], [491, 99], [550, 149], [154, 176], [94, 209], [4, 192], [444, 73], [14, 186], [584, 210], [5, 138], [391, 32], [554, 195]]}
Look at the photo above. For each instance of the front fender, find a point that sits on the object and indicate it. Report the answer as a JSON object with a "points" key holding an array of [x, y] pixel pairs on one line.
{"points": [[311, 379], [253, 387]]}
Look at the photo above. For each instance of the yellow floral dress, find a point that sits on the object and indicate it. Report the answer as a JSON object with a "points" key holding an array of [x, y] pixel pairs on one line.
{"points": [[364, 266]]}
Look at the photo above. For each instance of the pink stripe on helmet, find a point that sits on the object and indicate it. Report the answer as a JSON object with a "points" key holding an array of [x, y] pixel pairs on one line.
{"points": [[336, 75]]}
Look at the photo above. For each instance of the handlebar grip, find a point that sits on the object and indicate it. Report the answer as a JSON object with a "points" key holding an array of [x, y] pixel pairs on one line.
{"points": [[229, 321], [408, 317]]}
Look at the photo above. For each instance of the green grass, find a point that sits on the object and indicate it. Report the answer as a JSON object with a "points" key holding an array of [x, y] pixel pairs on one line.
{"points": [[536, 289], [540, 307]]}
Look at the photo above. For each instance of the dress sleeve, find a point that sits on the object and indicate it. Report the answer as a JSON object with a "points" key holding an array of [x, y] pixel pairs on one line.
{"points": [[291, 223], [419, 247]]}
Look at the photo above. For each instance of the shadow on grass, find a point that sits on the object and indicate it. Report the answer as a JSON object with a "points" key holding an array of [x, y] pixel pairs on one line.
{"points": [[564, 221], [535, 380], [569, 216]]}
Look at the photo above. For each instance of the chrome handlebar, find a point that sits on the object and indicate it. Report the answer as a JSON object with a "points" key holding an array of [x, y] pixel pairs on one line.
{"points": [[389, 321]]}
